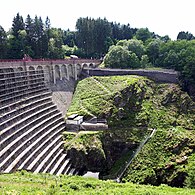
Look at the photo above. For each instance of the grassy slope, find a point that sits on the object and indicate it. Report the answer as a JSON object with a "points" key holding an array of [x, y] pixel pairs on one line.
{"points": [[110, 98], [135, 101], [166, 158], [24, 183]]}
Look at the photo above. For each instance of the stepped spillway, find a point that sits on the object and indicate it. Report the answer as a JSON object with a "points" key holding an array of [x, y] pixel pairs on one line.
{"points": [[31, 126]]}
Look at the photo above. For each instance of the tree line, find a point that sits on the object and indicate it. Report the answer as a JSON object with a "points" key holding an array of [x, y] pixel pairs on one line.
{"points": [[177, 55], [120, 45], [38, 39]]}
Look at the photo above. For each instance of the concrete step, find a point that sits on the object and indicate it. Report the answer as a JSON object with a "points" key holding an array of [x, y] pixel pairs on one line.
{"points": [[15, 127], [46, 160], [62, 166], [27, 94], [23, 108], [14, 93], [63, 156], [40, 141], [25, 113], [10, 106], [48, 148], [67, 168], [50, 165], [11, 141], [13, 153], [15, 88]]}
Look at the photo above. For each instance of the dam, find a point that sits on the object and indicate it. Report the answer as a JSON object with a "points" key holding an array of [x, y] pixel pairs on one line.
{"points": [[32, 115], [34, 97]]}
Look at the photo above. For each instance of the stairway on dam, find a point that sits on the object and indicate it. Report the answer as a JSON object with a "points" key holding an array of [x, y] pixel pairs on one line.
{"points": [[31, 126]]}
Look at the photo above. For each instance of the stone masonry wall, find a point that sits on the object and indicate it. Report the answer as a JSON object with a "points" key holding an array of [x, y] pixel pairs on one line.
{"points": [[164, 76]]}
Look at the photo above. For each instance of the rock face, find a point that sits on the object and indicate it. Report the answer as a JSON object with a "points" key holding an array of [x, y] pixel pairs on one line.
{"points": [[99, 151], [94, 160], [191, 90], [140, 104]]}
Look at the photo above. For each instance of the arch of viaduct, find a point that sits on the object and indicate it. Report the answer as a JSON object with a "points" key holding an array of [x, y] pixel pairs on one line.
{"points": [[71, 69], [53, 70]]}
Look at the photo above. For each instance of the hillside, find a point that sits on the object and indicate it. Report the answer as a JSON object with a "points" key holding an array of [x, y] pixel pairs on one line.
{"points": [[135, 104], [25, 183], [113, 98]]}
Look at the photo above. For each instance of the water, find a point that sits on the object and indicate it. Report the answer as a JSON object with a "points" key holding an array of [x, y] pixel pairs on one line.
{"points": [[92, 174]]}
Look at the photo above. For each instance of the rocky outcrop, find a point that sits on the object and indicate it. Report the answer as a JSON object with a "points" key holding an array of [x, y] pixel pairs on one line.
{"points": [[142, 104]]}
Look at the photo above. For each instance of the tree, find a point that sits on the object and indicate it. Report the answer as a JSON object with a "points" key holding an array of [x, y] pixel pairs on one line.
{"points": [[171, 60], [119, 57], [29, 26], [55, 43], [47, 24], [38, 38], [16, 42], [143, 34], [92, 36], [120, 32], [69, 38], [133, 45], [3, 43], [153, 50], [18, 24], [127, 32], [102, 33], [144, 63], [185, 35]]}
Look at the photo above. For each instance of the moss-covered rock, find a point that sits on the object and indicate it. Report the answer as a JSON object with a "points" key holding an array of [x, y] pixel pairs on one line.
{"points": [[117, 98], [98, 151], [86, 151], [165, 157], [136, 102]]}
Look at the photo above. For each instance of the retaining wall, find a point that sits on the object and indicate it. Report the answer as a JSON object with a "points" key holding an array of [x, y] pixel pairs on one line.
{"points": [[164, 76]]}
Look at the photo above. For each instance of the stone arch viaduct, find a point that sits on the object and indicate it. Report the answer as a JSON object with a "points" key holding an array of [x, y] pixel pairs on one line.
{"points": [[31, 125], [53, 69]]}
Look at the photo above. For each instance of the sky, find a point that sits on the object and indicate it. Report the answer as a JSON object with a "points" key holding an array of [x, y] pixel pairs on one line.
{"points": [[164, 17]]}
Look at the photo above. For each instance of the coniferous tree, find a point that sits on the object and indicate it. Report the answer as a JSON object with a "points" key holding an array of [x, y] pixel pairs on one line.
{"points": [[16, 41], [39, 42], [29, 25], [185, 35], [3, 43], [18, 24], [69, 38]]}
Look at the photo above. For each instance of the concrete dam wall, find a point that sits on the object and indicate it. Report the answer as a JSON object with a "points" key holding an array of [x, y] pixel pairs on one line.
{"points": [[31, 124]]}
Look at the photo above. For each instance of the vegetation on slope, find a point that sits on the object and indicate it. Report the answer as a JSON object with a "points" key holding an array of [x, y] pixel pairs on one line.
{"points": [[116, 98], [25, 183], [167, 156], [164, 159], [137, 102], [102, 151]]}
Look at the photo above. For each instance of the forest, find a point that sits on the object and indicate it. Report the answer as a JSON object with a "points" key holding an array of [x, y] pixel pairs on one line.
{"points": [[120, 45]]}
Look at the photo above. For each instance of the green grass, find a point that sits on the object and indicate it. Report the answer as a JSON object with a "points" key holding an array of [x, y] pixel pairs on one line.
{"points": [[83, 140], [24, 183], [136, 102], [102, 96], [162, 159]]}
